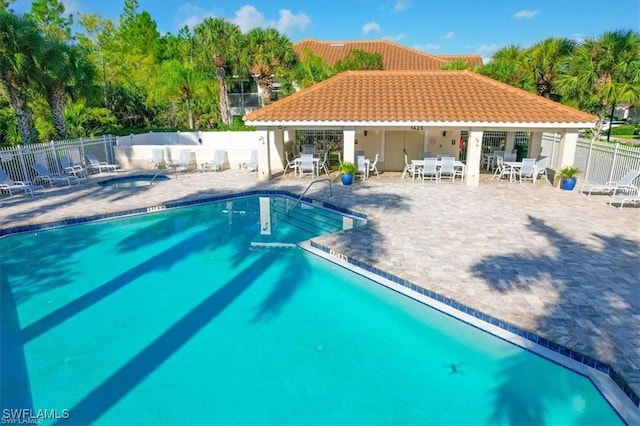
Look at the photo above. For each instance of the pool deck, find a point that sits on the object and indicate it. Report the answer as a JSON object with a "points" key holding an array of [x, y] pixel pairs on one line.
{"points": [[556, 263]]}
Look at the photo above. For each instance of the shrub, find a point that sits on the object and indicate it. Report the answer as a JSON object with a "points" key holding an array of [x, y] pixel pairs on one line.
{"points": [[626, 129]]}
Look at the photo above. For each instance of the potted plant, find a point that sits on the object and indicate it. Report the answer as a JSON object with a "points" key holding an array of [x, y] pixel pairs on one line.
{"points": [[347, 171], [568, 177]]}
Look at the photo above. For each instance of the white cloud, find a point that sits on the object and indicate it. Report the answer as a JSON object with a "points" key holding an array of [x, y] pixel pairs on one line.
{"points": [[370, 27], [397, 37], [289, 22], [191, 15], [401, 5], [526, 14], [426, 47], [449, 35], [248, 17], [487, 51]]}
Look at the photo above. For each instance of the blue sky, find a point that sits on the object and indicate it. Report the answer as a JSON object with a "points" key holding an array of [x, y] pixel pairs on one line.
{"points": [[438, 27]]}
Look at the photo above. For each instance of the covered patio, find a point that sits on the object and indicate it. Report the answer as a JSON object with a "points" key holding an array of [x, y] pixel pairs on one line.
{"points": [[393, 113]]}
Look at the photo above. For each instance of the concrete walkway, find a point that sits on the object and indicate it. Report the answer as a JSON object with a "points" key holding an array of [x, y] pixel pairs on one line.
{"points": [[557, 263]]}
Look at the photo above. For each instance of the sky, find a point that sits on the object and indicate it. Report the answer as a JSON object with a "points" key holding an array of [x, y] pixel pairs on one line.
{"points": [[436, 27]]}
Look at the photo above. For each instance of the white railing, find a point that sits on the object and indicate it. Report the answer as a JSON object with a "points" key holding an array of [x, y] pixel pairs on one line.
{"points": [[16, 161]]}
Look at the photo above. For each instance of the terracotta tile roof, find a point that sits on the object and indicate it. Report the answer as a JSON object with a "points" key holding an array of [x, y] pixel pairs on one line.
{"points": [[394, 56], [416, 96]]}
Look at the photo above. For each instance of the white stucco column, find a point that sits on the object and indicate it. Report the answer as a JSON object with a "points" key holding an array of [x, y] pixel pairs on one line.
{"points": [[349, 136], [474, 154], [567, 150], [535, 144], [264, 155]]}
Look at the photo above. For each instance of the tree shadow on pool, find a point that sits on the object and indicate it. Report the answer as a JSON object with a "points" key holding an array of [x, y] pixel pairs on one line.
{"points": [[100, 399], [595, 289]]}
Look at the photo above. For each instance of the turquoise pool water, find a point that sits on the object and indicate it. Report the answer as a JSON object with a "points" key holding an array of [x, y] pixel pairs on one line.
{"points": [[195, 316], [136, 181]]}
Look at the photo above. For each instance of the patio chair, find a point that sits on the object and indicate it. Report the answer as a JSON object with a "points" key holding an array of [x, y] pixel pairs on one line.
{"points": [[541, 167], [252, 164], [528, 170], [95, 164], [447, 168], [9, 185], [45, 176], [429, 170], [323, 164], [409, 168], [625, 184], [363, 169], [373, 166], [501, 169], [291, 164], [306, 164], [218, 163], [70, 169]]}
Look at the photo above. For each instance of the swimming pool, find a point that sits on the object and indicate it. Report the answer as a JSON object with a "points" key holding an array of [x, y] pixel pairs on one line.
{"points": [[208, 314], [135, 181]]}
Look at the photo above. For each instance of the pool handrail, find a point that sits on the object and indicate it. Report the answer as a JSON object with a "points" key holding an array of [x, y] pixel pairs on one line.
{"points": [[307, 188]]}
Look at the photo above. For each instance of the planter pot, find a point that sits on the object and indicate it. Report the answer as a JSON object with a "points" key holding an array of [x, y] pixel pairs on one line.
{"points": [[568, 183], [347, 179]]}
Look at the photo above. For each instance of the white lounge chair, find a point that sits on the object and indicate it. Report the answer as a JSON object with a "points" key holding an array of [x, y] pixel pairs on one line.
{"points": [[45, 176], [70, 169], [632, 197], [252, 164], [95, 164], [219, 161], [9, 185], [626, 183]]}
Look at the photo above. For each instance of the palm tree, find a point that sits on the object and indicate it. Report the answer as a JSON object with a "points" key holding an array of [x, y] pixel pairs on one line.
{"points": [[220, 40], [20, 47], [544, 61], [310, 69], [270, 56], [603, 72], [507, 66], [68, 73]]}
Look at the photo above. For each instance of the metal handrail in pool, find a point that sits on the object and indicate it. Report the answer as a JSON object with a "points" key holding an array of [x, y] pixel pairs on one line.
{"points": [[309, 186]]}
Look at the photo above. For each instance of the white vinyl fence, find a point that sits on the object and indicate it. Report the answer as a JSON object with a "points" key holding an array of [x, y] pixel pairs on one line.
{"points": [[17, 161], [599, 162]]}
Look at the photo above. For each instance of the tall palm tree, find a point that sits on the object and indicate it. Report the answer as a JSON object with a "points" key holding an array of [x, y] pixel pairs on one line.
{"points": [[544, 61], [270, 57], [220, 40], [20, 47], [68, 73], [603, 72]]}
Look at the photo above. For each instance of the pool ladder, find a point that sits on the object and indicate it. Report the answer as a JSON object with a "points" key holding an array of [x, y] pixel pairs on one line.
{"points": [[307, 189]]}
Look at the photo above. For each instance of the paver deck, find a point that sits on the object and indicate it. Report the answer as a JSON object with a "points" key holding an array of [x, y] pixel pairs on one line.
{"points": [[557, 263]]}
